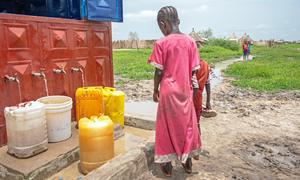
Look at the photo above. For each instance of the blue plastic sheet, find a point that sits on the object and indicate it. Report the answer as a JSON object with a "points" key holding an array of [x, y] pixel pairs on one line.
{"points": [[96, 10], [56, 8], [14, 6], [102, 10], [7, 6], [74, 9]]}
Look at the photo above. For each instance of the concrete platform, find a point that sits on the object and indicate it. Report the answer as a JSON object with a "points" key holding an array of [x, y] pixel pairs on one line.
{"points": [[58, 156], [141, 114], [65, 155], [133, 138], [122, 145]]}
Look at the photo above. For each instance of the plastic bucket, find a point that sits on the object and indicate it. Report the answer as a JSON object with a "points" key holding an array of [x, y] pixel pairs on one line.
{"points": [[58, 117]]}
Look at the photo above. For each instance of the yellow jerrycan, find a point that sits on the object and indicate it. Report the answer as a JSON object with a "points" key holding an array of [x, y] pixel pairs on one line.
{"points": [[107, 93], [89, 102], [96, 142], [114, 102]]}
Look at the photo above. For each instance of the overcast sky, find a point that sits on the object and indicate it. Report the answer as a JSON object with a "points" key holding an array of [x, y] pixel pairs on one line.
{"points": [[262, 19]]}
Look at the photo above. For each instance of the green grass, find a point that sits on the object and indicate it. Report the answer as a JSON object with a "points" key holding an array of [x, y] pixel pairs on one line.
{"points": [[213, 54], [224, 43], [273, 69], [132, 63]]}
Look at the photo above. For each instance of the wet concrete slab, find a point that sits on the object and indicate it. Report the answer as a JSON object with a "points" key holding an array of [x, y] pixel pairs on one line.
{"points": [[145, 109], [141, 114]]}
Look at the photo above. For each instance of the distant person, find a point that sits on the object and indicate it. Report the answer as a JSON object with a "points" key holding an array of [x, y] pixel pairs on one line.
{"points": [[245, 50], [175, 58], [249, 50]]}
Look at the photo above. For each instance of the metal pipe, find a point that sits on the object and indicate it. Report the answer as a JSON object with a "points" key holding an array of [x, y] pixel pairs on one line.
{"points": [[76, 69], [12, 78], [15, 79], [59, 71], [40, 74]]}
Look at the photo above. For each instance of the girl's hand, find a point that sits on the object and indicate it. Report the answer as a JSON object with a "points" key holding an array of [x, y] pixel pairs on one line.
{"points": [[156, 96]]}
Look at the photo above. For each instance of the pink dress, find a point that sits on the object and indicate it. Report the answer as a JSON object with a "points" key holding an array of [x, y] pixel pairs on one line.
{"points": [[177, 135]]}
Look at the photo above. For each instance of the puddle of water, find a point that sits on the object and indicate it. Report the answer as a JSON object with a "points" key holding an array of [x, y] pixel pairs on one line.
{"points": [[216, 75]]}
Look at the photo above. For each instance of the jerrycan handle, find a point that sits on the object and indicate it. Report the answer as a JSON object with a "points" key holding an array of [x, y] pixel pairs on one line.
{"points": [[24, 104]]}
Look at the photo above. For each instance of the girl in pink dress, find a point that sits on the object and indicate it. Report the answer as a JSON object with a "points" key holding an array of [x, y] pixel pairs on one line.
{"points": [[176, 60]]}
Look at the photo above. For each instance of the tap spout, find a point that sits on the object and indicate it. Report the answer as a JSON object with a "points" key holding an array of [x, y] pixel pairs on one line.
{"points": [[75, 69], [39, 74], [11, 78], [59, 71]]}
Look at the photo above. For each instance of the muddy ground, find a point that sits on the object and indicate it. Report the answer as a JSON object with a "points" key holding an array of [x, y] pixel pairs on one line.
{"points": [[254, 136]]}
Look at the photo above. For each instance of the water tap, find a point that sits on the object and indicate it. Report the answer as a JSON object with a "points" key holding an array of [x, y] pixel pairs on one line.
{"points": [[75, 69], [59, 71], [12, 78], [40, 74]]}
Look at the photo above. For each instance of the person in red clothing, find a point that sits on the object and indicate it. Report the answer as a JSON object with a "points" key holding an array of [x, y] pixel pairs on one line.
{"points": [[203, 81], [202, 78]]}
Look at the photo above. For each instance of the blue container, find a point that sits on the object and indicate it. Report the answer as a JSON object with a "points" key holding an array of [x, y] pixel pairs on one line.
{"points": [[55, 8], [7, 6], [14, 6], [95, 10], [38, 8], [74, 9], [102, 10]]}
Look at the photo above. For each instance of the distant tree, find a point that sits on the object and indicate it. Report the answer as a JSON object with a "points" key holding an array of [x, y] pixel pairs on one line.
{"points": [[206, 33], [134, 38]]}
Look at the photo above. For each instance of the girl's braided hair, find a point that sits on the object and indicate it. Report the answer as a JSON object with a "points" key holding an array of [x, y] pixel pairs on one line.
{"points": [[168, 13]]}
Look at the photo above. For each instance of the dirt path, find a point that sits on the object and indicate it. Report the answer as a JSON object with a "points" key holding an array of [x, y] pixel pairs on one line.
{"points": [[254, 136]]}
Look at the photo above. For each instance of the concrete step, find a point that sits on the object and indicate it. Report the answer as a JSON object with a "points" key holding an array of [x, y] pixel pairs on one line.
{"points": [[141, 114]]}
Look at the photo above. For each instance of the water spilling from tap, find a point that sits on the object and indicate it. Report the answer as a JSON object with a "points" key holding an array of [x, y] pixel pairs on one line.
{"points": [[19, 90], [15, 79], [46, 86], [74, 69], [43, 76], [82, 79]]}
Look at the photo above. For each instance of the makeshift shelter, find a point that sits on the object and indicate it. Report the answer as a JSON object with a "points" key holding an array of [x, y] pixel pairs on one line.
{"points": [[233, 37], [199, 40]]}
